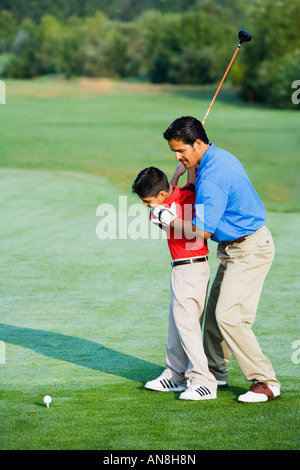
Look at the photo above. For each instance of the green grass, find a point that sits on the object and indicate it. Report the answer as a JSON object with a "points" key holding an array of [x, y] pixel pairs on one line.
{"points": [[114, 130], [84, 319]]}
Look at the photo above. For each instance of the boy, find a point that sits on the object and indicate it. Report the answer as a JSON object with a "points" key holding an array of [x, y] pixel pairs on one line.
{"points": [[186, 364]]}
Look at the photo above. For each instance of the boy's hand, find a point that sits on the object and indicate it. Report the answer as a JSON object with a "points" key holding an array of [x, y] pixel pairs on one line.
{"points": [[164, 215], [154, 219]]}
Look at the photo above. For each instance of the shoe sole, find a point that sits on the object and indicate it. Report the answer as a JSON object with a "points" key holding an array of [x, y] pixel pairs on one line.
{"points": [[223, 386], [260, 401], [198, 399], [179, 389]]}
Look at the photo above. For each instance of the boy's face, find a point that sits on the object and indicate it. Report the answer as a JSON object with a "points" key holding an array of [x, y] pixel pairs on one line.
{"points": [[188, 155], [153, 201]]}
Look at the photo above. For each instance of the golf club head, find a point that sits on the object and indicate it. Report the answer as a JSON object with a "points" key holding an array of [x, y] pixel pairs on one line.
{"points": [[244, 36]]}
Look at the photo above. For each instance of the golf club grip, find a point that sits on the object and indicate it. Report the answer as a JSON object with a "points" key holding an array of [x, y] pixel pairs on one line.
{"points": [[221, 83]]}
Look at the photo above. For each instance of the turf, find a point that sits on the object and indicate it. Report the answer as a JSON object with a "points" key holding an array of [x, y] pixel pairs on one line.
{"points": [[113, 130], [84, 319]]}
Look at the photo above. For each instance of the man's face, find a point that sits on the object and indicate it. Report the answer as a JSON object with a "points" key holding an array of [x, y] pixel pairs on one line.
{"points": [[188, 155]]}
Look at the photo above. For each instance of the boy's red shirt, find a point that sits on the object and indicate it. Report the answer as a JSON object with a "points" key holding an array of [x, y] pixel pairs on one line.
{"points": [[180, 246]]}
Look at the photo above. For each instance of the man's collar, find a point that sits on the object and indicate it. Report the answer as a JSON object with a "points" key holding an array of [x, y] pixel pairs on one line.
{"points": [[206, 156]]}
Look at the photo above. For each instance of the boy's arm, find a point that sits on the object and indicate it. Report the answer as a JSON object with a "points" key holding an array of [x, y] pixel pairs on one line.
{"points": [[191, 176], [180, 170]]}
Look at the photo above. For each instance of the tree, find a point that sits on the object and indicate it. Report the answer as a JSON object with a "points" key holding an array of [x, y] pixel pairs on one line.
{"points": [[8, 30], [271, 62], [193, 66]]}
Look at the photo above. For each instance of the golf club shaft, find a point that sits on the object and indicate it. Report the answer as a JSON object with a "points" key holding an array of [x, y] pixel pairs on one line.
{"points": [[221, 83]]}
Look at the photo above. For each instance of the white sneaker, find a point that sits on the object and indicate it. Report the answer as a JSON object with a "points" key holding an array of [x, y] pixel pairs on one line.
{"points": [[222, 383], [197, 392], [161, 384], [260, 392]]}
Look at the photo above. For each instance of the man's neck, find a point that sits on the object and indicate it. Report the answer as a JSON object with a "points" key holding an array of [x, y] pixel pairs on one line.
{"points": [[205, 148]]}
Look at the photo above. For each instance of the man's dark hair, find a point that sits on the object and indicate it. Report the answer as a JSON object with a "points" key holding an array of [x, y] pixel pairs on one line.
{"points": [[187, 129], [149, 182]]}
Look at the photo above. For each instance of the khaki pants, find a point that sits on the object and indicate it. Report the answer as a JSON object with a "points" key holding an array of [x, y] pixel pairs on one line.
{"points": [[185, 357], [232, 306]]}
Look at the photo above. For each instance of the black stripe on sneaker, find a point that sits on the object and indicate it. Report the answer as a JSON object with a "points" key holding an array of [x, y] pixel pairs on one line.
{"points": [[203, 391], [172, 385], [168, 384], [164, 383]]}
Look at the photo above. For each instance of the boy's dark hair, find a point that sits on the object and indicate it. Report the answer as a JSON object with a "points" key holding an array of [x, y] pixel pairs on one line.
{"points": [[188, 129], [149, 182]]}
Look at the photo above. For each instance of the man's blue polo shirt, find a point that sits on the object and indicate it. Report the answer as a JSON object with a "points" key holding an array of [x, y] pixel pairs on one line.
{"points": [[226, 203]]}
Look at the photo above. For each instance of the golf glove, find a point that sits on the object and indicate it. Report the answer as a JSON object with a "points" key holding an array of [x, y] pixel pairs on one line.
{"points": [[164, 215]]}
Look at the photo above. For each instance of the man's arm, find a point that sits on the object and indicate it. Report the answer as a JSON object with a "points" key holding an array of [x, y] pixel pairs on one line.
{"points": [[188, 229], [186, 226], [170, 219]]}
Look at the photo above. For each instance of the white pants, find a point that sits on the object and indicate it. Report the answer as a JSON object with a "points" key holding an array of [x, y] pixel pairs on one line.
{"points": [[232, 305], [185, 357]]}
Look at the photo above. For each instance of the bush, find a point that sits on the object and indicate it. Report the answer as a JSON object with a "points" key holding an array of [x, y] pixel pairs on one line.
{"points": [[193, 67], [271, 61], [287, 70], [192, 47]]}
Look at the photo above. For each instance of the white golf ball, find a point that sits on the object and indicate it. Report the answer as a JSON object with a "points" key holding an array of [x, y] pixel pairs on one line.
{"points": [[47, 400]]}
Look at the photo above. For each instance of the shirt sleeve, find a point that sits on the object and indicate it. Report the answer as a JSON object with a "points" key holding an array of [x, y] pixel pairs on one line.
{"points": [[210, 205]]}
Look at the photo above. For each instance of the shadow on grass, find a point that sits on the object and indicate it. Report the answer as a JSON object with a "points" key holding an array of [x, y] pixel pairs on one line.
{"points": [[80, 351]]}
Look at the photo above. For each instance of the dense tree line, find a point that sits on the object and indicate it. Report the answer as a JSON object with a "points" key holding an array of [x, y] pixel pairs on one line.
{"points": [[124, 10], [173, 41]]}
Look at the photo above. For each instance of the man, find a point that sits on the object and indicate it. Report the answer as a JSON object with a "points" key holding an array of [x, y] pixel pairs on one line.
{"points": [[229, 211]]}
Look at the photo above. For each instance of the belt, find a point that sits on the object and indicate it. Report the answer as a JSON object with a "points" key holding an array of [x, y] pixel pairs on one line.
{"points": [[189, 261], [238, 240]]}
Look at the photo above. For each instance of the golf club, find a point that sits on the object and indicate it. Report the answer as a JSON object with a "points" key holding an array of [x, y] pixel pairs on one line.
{"points": [[243, 37]]}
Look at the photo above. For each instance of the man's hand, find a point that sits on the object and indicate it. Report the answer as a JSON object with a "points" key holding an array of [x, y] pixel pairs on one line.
{"points": [[164, 215]]}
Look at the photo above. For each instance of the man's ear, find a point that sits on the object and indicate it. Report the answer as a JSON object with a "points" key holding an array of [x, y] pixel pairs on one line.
{"points": [[198, 144]]}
